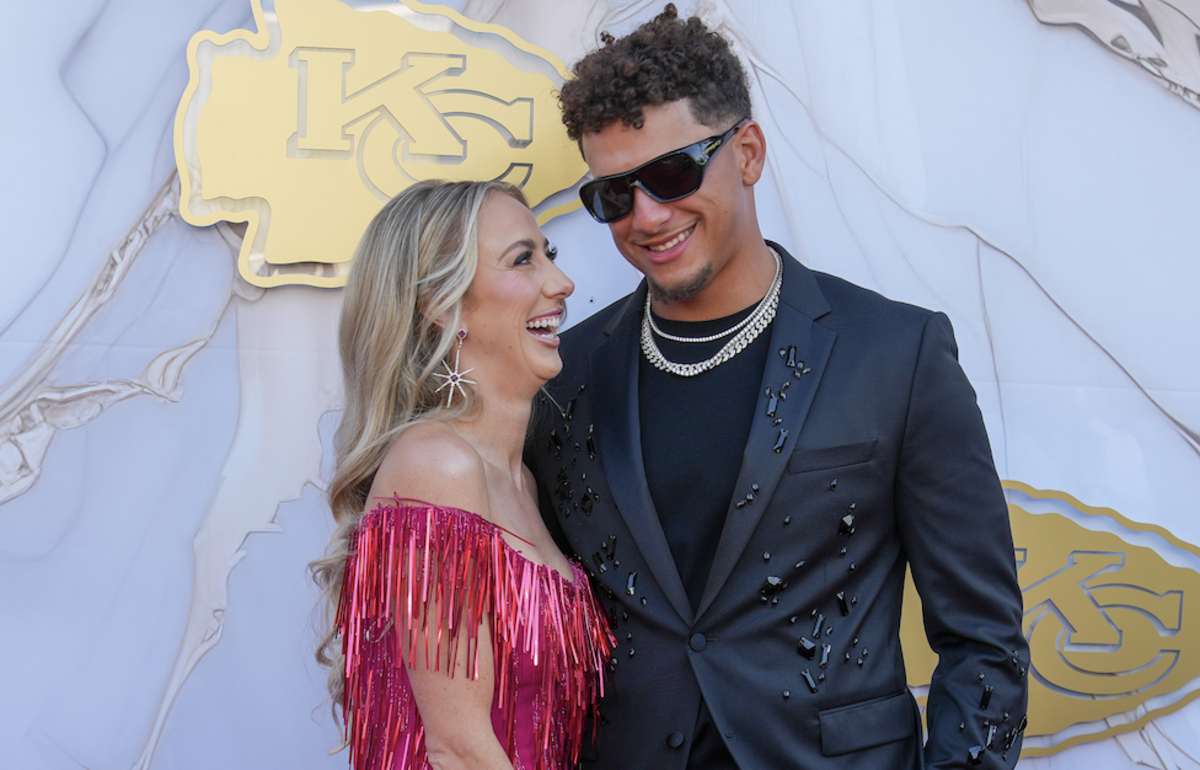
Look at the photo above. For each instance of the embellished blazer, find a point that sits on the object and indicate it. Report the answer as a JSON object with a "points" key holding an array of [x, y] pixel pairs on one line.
{"points": [[867, 455]]}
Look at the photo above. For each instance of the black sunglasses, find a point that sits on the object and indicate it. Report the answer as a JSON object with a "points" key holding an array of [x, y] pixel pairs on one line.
{"points": [[667, 178]]}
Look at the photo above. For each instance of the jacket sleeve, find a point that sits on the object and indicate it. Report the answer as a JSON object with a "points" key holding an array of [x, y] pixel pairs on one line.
{"points": [[955, 530]]}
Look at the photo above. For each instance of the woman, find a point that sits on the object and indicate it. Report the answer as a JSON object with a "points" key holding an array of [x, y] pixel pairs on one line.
{"points": [[469, 640]]}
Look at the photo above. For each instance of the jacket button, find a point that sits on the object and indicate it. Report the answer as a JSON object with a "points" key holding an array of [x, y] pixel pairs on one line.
{"points": [[675, 739], [698, 642]]}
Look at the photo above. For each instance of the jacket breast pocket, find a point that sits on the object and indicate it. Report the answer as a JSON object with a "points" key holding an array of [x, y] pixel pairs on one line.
{"points": [[867, 724], [826, 457]]}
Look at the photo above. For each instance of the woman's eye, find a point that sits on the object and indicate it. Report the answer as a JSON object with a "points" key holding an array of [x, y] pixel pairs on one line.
{"points": [[551, 252], [524, 258]]}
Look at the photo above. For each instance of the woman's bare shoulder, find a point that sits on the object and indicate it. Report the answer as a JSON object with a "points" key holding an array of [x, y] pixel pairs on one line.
{"points": [[433, 463]]}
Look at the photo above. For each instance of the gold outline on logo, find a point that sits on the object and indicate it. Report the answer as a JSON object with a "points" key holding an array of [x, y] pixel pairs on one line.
{"points": [[270, 266], [920, 660], [1132, 526]]}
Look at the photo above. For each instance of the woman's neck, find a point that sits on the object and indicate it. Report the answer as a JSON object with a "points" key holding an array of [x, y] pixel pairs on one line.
{"points": [[498, 432]]}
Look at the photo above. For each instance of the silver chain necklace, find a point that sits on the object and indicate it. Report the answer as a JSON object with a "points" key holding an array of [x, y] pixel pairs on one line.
{"points": [[747, 331]]}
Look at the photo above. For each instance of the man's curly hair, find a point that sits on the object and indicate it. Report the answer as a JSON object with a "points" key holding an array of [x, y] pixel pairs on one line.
{"points": [[664, 60]]}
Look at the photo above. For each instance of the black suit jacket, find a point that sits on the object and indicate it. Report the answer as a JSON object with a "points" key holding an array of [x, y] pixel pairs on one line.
{"points": [[867, 453]]}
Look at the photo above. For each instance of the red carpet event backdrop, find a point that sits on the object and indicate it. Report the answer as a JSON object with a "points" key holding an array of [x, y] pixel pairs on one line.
{"points": [[185, 185]]}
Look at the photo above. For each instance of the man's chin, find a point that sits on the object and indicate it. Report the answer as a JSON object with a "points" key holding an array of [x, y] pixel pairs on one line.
{"points": [[683, 291]]}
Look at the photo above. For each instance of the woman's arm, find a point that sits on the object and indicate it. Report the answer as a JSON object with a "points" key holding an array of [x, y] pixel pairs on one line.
{"points": [[431, 463], [457, 712]]}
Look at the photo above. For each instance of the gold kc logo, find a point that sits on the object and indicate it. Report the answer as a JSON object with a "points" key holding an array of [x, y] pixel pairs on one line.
{"points": [[303, 129], [1113, 626]]}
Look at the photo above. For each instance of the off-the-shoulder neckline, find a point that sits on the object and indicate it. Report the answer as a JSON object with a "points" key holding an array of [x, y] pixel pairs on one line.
{"points": [[404, 502]]}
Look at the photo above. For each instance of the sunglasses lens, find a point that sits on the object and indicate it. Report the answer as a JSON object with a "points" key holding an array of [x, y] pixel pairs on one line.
{"points": [[672, 177], [608, 200], [667, 179]]}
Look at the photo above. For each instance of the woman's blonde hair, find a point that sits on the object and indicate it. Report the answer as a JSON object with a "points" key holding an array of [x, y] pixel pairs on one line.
{"points": [[401, 311]]}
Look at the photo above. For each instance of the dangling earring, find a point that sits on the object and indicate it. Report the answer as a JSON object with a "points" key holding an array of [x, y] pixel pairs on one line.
{"points": [[455, 379]]}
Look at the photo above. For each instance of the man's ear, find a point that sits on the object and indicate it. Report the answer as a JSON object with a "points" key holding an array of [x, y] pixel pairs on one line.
{"points": [[751, 147]]}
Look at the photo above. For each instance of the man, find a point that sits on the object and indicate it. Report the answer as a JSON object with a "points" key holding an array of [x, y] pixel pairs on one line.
{"points": [[746, 454]]}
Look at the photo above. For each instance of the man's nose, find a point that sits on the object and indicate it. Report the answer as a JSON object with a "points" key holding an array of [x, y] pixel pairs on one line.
{"points": [[648, 214]]}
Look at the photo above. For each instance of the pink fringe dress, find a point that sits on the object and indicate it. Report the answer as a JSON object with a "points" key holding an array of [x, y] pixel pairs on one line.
{"points": [[550, 639]]}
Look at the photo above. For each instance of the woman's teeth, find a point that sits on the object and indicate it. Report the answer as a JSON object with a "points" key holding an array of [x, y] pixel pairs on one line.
{"points": [[545, 327]]}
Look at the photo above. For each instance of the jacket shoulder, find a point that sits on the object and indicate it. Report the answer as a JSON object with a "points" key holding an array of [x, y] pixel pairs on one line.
{"points": [[854, 308], [841, 293]]}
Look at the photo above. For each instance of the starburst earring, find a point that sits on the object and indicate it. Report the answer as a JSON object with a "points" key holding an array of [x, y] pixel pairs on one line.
{"points": [[454, 379]]}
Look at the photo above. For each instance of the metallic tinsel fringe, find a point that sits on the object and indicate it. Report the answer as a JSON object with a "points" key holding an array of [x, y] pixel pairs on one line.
{"points": [[444, 571]]}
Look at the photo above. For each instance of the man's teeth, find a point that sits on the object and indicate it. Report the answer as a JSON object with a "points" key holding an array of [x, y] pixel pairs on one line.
{"points": [[673, 242]]}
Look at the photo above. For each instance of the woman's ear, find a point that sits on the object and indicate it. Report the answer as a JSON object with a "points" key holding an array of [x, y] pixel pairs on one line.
{"points": [[441, 320]]}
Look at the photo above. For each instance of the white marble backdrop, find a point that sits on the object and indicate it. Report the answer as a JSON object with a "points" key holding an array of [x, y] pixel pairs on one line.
{"points": [[1036, 182]]}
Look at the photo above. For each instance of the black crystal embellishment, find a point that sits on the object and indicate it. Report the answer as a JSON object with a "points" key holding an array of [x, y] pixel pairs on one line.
{"points": [[772, 585]]}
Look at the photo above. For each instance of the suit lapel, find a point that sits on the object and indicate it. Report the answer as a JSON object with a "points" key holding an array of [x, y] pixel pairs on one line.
{"points": [[795, 364], [614, 374]]}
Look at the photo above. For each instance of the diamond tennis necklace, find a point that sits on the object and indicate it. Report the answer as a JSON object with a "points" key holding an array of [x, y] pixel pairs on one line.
{"points": [[747, 331]]}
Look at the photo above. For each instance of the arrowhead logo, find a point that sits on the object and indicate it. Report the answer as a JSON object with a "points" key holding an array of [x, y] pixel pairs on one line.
{"points": [[305, 128], [1112, 615]]}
